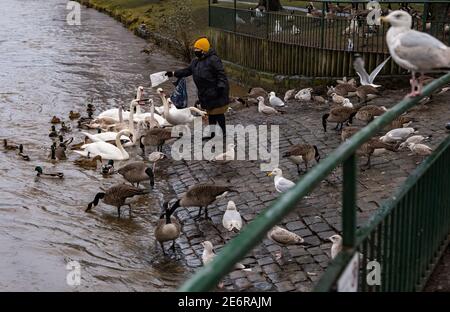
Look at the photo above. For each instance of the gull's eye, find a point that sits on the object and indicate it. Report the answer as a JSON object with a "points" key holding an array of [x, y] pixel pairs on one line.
{"points": [[398, 16]]}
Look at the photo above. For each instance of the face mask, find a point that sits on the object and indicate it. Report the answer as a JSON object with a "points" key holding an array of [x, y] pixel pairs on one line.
{"points": [[198, 54]]}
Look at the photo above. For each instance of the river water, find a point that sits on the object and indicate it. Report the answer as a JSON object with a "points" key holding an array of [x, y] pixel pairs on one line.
{"points": [[47, 68]]}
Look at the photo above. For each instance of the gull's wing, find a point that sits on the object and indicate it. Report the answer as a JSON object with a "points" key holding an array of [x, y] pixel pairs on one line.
{"points": [[375, 72], [358, 65], [283, 185]]}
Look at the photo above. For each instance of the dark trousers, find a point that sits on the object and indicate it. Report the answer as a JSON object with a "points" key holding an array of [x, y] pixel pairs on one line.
{"points": [[217, 119]]}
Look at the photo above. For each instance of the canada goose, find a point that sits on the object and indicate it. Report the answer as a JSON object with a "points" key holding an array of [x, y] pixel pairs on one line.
{"points": [[232, 219], [302, 153], [227, 156], [55, 120], [74, 115], [116, 196], [420, 149], [262, 108], [397, 135], [155, 157], [282, 185], [155, 137], [345, 89], [88, 163], [290, 94], [367, 113], [168, 227], [348, 132], [401, 122], [53, 133], [339, 115], [108, 168], [60, 152], [414, 139], [336, 247], [283, 237], [275, 100], [208, 255], [366, 93], [137, 172], [257, 92], [22, 154], [202, 195], [65, 143], [42, 174], [9, 147], [368, 148]]}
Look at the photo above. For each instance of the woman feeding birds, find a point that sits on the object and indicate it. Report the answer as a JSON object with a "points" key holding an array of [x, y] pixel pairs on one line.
{"points": [[210, 79]]}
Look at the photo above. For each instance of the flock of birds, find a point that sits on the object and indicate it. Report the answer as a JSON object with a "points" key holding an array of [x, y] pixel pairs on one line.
{"points": [[118, 129]]}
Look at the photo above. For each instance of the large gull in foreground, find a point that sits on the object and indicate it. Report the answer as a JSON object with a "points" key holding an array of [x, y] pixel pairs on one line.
{"points": [[414, 50]]}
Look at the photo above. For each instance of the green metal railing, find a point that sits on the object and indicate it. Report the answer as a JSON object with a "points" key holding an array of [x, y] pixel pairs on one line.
{"points": [[375, 243]]}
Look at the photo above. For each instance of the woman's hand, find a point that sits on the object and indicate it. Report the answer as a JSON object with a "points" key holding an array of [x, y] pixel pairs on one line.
{"points": [[169, 74]]}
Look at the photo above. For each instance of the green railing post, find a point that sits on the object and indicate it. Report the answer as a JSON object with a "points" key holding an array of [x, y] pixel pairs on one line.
{"points": [[349, 202]]}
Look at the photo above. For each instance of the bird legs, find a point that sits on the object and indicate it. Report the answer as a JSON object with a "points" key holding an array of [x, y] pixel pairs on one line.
{"points": [[416, 85], [200, 213]]}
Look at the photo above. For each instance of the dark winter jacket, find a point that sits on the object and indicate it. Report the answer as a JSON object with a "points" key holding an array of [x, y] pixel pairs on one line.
{"points": [[210, 79]]}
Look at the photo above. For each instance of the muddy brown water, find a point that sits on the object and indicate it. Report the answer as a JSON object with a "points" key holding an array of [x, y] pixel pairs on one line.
{"points": [[49, 68]]}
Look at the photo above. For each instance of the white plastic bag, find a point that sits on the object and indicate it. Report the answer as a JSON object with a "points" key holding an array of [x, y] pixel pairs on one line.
{"points": [[158, 78]]}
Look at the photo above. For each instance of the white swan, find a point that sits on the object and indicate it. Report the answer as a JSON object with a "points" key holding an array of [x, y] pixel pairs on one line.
{"points": [[114, 112], [106, 150], [152, 115], [177, 116]]}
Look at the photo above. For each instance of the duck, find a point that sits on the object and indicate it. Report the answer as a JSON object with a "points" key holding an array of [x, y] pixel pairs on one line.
{"points": [[345, 90], [52, 155], [60, 152], [369, 112], [267, 110], [168, 227], [227, 156], [155, 157], [178, 116], [65, 128], [397, 135], [283, 237], [282, 185], [116, 196], [65, 143], [202, 195], [339, 115], [274, 100], [367, 93], [305, 153], [108, 168], [347, 132], [9, 147], [155, 137], [42, 174], [74, 115], [55, 120], [137, 172], [336, 247], [22, 154], [88, 163], [208, 255], [53, 133], [232, 220], [106, 150], [401, 122], [420, 149], [289, 95]]}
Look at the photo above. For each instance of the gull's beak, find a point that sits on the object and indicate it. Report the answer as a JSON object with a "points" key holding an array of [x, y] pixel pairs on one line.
{"points": [[269, 174]]}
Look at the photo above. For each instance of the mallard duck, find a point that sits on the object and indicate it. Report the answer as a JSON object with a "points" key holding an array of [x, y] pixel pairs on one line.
{"points": [[283, 237], [52, 155], [22, 154], [202, 195], [65, 143], [53, 133], [88, 163], [302, 153], [65, 128], [339, 115], [282, 184], [108, 169], [9, 147], [168, 227], [74, 115], [42, 174], [137, 172], [336, 247], [232, 219], [116, 196], [55, 120]]}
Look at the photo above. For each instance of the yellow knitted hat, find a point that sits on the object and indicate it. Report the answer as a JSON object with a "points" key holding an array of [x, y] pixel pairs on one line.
{"points": [[202, 44]]}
